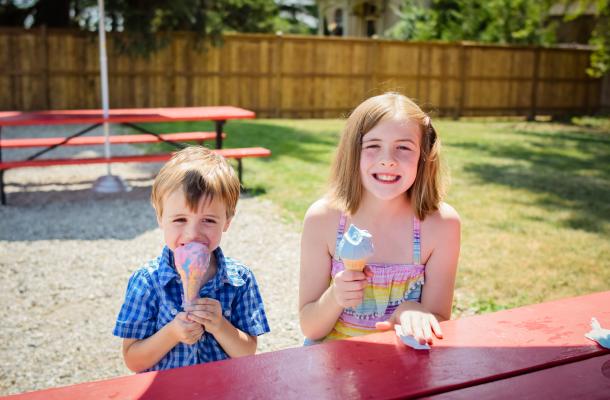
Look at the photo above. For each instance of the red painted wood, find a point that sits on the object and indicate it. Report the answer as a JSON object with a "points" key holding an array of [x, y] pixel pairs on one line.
{"points": [[475, 350], [246, 152], [587, 379], [59, 117], [113, 139]]}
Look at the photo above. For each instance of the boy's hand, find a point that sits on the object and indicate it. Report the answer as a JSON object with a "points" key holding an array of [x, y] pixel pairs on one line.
{"points": [[186, 331], [348, 287], [208, 313]]}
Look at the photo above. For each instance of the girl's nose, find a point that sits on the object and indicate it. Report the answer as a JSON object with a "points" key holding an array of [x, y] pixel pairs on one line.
{"points": [[388, 163], [387, 160]]}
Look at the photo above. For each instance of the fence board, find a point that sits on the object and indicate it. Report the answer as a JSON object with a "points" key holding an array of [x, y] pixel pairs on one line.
{"points": [[295, 76]]}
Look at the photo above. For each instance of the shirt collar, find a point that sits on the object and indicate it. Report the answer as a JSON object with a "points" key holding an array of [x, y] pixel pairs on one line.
{"points": [[167, 270]]}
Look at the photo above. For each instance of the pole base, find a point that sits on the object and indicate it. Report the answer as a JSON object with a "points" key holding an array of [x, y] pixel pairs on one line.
{"points": [[110, 184]]}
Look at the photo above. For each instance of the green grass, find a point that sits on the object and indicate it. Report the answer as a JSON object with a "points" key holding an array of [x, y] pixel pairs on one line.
{"points": [[534, 198]]}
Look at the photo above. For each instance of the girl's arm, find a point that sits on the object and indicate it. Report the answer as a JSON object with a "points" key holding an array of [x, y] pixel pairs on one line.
{"points": [[441, 267], [318, 307], [142, 354]]}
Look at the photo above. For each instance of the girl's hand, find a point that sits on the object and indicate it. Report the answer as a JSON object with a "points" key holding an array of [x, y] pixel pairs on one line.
{"points": [[186, 331], [207, 312], [419, 323], [348, 287]]}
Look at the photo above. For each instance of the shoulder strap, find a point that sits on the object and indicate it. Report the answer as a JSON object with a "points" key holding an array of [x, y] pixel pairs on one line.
{"points": [[416, 241], [340, 231]]}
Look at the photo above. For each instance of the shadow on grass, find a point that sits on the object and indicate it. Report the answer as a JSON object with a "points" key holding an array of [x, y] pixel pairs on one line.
{"points": [[572, 169], [283, 141]]}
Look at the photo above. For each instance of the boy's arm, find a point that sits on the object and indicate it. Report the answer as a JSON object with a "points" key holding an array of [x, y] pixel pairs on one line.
{"points": [[142, 354], [234, 342]]}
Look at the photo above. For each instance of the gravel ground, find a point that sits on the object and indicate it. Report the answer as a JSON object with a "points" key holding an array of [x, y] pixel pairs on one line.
{"points": [[66, 254]]}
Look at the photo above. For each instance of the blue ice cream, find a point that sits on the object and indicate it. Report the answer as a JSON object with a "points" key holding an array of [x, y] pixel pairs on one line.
{"points": [[355, 248]]}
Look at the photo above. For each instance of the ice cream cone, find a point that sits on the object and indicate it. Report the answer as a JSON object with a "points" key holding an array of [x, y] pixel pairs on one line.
{"points": [[192, 261], [355, 265]]}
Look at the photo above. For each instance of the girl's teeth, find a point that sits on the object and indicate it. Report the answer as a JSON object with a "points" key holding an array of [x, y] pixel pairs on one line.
{"points": [[387, 178]]}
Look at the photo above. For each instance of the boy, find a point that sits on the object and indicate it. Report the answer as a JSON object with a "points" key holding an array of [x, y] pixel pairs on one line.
{"points": [[194, 196]]}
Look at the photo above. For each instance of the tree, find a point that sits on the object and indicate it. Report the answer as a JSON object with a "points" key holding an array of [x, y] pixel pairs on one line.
{"points": [[491, 21], [600, 37], [148, 23]]}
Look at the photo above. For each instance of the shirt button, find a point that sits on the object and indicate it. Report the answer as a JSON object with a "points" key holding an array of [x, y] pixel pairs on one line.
{"points": [[227, 313], [173, 311]]}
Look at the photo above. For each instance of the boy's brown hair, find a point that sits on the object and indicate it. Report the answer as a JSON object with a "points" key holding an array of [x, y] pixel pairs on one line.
{"points": [[345, 182], [200, 174]]}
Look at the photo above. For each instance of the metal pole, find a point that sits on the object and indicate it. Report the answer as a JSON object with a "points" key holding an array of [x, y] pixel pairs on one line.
{"points": [[104, 77]]}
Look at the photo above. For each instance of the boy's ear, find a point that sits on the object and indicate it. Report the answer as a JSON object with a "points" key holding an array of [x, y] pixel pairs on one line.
{"points": [[227, 224]]}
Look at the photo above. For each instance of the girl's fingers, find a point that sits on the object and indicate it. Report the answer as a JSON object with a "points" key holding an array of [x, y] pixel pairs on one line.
{"points": [[436, 327], [407, 329], [427, 331]]}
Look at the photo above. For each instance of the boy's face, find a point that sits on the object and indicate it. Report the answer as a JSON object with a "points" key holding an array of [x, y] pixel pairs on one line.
{"points": [[180, 225]]}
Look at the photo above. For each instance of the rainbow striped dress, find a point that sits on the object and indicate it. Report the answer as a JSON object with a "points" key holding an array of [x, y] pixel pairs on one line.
{"points": [[390, 285]]}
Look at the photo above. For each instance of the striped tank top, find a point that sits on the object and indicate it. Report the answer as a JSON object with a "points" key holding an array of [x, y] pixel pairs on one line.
{"points": [[390, 285]]}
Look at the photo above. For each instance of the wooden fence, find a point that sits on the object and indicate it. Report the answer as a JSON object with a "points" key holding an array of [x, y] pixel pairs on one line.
{"points": [[295, 76]]}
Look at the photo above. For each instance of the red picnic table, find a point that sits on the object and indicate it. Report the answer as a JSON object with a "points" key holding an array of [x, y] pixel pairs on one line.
{"points": [[128, 117], [538, 351]]}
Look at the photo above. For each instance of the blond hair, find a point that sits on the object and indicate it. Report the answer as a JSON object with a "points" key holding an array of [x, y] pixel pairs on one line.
{"points": [[346, 188], [200, 173]]}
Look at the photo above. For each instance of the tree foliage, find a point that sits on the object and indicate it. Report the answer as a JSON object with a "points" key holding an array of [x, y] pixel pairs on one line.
{"points": [[492, 21], [502, 21], [600, 37], [147, 23]]}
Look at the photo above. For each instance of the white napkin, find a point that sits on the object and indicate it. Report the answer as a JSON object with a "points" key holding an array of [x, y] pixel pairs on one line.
{"points": [[599, 334], [409, 340]]}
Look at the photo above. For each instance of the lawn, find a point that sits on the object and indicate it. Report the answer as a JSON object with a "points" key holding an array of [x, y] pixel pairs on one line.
{"points": [[534, 198]]}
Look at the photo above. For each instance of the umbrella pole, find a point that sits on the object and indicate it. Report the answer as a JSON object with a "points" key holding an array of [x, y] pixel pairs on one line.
{"points": [[108, 183]]}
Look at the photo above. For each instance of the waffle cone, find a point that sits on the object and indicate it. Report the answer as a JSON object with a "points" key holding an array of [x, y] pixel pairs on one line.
{"points": [[355, 265]]}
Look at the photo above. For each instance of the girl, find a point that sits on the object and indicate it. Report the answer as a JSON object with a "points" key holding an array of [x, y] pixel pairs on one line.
{"points": [[385, 179]]}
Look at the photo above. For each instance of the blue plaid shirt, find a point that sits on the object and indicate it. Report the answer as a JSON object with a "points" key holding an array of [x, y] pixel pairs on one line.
{"points": [[154, 297]]}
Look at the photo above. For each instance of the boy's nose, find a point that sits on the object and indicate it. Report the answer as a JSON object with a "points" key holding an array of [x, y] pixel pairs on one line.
{"points": [[191, 233]]}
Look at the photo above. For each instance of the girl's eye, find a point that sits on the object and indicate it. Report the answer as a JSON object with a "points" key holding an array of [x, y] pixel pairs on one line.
{"points": [[371, 146], [404, 148]]}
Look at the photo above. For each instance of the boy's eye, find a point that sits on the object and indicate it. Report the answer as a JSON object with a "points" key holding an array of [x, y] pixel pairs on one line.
{"points": [[209, 221], [179, 220]]}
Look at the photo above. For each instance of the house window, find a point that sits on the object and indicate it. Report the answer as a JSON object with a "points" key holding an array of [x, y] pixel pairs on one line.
{"points": [[337, 28], [370, 28]]}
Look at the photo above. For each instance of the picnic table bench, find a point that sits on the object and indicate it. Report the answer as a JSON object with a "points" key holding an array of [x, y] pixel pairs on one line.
{"points": [[537, 351], [125, 117]]}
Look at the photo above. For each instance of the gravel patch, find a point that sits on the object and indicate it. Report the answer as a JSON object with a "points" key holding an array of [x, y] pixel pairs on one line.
{"points": [[66, 254]]}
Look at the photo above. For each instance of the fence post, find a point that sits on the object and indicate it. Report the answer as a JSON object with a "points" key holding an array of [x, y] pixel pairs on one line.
{"points": [[534, 94], [462, 92], [279, 46], [44, 66]]}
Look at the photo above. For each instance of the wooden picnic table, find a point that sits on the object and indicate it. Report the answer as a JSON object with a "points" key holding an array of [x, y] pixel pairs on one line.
{"points": [[537, 351]]}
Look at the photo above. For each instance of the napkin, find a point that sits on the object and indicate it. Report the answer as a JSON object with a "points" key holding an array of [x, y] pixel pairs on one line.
{"points": [[599, 334]]}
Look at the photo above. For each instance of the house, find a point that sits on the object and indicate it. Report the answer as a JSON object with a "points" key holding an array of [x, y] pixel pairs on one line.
{"points": [[363, 18]]}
